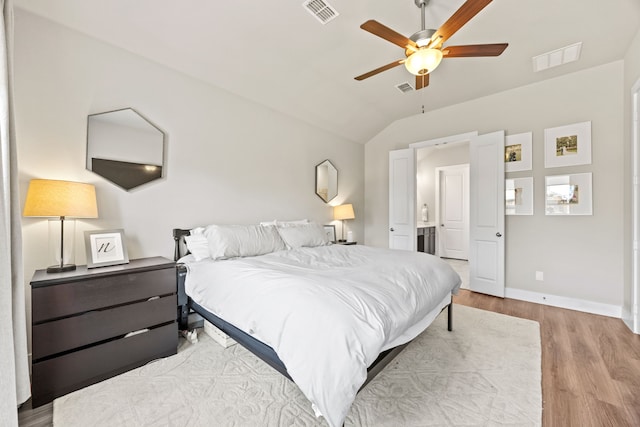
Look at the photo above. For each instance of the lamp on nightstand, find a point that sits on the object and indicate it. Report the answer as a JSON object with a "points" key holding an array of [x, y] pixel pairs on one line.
{"points": [[62, 199], [341, 213]]}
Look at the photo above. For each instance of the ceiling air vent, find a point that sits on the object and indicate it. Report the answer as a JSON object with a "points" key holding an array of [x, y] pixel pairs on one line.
{"points": [[322, 10], [557, 57], [405, 87]]}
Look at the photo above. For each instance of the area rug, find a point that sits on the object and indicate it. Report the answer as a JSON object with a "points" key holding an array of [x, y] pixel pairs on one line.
{"points": [[486, 372]]}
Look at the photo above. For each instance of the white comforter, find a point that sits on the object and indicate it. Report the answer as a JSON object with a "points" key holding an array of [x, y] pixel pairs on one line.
{"points": [[327, 311]]}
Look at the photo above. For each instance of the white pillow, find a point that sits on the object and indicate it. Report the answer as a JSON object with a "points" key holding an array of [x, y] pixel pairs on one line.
{"points": [[303, 235], [198, 245], [276, 222], [231, 241]]}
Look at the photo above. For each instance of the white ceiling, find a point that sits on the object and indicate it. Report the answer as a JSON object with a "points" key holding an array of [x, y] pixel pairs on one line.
{"points": [[277, 54]]}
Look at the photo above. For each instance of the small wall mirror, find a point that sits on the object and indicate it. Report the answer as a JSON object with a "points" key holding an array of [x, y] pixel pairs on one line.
{"points": [[326, 181], [125, 148]]}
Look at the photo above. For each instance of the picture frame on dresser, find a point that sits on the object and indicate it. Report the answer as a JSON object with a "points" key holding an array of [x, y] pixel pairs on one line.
{"points": [[105, 248], [330, 232]]}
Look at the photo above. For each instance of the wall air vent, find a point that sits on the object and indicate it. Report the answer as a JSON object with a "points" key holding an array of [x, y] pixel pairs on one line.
{"points": [[322, 10], [405, 87]]}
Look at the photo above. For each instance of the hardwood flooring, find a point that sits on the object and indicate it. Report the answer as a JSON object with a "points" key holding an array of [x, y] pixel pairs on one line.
{"points": [[590, 366], [590, 363]]}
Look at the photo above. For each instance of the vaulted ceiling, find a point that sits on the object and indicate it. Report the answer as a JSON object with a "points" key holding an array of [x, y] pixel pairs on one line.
{"points": [[277, 54]]}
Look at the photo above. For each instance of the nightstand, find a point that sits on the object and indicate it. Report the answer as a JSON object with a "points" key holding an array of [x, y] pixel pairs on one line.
{"points": [[92, 324]]}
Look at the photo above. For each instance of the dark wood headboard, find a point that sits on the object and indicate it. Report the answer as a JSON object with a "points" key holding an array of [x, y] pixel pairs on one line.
{"points": [[178, 238]]}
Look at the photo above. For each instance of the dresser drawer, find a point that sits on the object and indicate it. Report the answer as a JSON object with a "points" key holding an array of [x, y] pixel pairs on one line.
{"points": [[94, 326], [58, 376], [51, 302]]}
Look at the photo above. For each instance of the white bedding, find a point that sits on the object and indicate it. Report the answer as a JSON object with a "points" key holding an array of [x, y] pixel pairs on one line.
{"points": [[327, 311]]}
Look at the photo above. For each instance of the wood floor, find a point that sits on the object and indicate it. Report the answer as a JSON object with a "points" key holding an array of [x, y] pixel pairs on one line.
{"points": [[590, 366], [590, 363]]}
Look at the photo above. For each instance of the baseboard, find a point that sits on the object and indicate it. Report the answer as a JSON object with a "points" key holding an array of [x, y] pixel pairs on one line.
{"points": [[565, 302], [627, 318]]}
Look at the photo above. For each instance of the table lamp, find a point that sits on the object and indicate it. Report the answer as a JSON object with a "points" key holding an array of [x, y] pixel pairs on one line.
{"points": [[62, 199], [341, 213]]}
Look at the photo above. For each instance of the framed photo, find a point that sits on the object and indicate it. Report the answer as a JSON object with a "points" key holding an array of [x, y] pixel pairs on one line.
{"points": [[518, 196], [517, 152], [568, 145], [105, 247], [330, 232], [568, 194]]}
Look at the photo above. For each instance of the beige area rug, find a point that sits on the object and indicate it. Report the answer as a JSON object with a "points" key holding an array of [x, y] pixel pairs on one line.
{"points": [[484, 373]]}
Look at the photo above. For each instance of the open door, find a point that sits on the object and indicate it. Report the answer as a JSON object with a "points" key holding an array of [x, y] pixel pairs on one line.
{"points": [[402, 200], [486, 241]]}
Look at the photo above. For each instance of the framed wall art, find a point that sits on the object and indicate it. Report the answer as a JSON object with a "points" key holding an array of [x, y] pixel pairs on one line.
{"points": [[517, 152], [518, 196], [568, 194], [568, 145], [105, 247], [330, 232]]}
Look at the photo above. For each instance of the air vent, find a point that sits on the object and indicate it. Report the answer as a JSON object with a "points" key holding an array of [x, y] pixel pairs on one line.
{"points": [[405, 87], [322, 10], [557, 57]]}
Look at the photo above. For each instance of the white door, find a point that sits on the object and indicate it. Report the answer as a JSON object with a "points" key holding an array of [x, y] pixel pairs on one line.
{"points": [[453, 211], [486, 242], [402, 200]]}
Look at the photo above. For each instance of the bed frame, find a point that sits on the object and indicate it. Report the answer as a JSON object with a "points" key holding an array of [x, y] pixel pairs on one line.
{"points": [[260, 349]]}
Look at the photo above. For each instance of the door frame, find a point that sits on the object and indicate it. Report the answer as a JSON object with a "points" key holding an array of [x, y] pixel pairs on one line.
{"points": [[632, 319]]}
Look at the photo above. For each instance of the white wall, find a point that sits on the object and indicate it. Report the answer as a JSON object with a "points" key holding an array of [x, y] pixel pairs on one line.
{"points": [[581, 256], [229, 160]]}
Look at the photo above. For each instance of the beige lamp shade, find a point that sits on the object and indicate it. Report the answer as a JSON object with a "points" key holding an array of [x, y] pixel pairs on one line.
{"points": [[343, 212], [53, 198]]}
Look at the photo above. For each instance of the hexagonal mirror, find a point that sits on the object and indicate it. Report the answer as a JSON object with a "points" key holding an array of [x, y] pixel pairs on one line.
{"points": [[326, 181], [125, 148]]}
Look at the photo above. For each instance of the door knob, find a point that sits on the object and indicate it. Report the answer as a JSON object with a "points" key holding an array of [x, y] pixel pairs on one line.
{"points": [[498, 234], [391, 229]]}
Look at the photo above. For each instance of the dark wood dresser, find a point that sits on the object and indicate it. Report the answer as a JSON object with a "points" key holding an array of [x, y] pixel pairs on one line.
{"points": [[91, 324]]}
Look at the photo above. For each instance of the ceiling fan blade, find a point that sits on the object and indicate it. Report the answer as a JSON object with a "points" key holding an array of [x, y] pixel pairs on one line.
{"points": [[474, 50], [467, 11], [422, 81], [379, 70], [376, 28]]}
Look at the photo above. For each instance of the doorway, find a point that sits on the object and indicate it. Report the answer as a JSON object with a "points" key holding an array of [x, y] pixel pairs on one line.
{"points": [[486, 203], [431, 162]]}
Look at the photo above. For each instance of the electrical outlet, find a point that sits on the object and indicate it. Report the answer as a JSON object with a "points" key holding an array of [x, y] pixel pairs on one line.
{"points": [[539, 275]]}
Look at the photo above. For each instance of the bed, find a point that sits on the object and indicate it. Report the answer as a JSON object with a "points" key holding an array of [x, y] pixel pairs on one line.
{"points": [[327, 316]]}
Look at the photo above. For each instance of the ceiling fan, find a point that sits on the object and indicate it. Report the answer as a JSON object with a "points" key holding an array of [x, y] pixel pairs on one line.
{"points": [[424, 50]]}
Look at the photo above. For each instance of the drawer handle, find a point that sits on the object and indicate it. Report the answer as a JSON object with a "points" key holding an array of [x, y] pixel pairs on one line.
{"points": [[153, 298], [141, 331]]}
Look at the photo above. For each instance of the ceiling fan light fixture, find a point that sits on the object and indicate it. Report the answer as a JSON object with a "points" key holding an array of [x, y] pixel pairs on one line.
{"points": [[423, 61]]}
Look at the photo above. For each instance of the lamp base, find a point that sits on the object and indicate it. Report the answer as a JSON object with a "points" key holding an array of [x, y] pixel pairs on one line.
{"points": [[61, 268]]}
